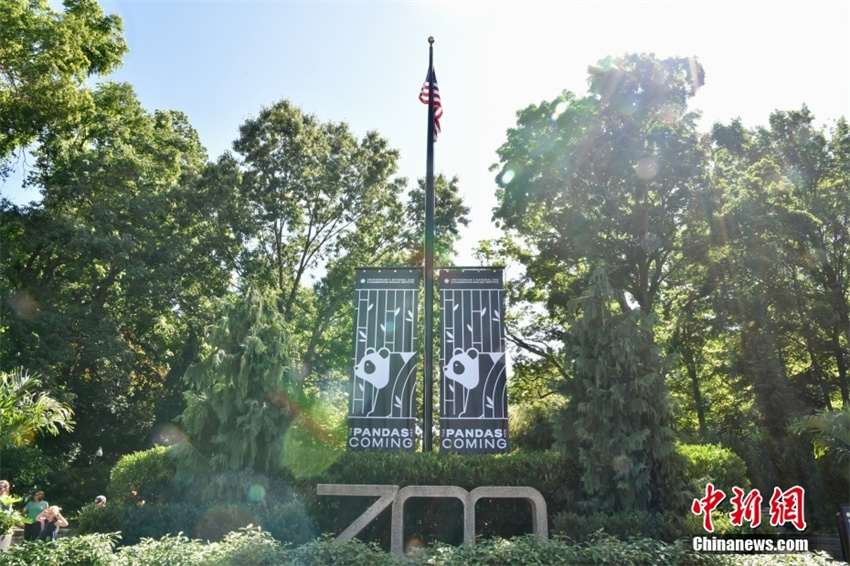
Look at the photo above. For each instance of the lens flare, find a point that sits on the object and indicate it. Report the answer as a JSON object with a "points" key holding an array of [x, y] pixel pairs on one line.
{"points": [[23, 304], [256, 493], [646, 168], [560, 108], [167, 435], [621, 464], [508, 176]]}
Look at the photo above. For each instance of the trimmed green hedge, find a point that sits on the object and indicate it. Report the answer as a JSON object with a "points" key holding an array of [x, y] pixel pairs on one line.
{"points": [[147, 476], [252, 547], [292, 512], [432, 520]]}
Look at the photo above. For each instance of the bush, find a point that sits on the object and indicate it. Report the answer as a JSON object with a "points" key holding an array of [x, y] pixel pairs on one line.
{"points": [[247, 547], [287, 520], [716, 464], [254, 547], [531, 424], [143, 476], [325, 552], [92, 550], [641, 524], [164, 552]]}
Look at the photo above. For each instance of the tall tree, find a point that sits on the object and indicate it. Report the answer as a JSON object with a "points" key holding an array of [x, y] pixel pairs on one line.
{"points": [[615, 179], [612, 177], [45, 59], [308, 184], [108, 278], [782, 250], [318, 203]]}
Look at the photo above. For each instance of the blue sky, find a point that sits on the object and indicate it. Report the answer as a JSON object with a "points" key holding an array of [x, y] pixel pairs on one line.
{"points": [[364, 62]]}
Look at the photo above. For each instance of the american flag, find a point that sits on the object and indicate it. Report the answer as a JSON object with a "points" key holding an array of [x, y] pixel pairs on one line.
{"points": [[438, 107]]}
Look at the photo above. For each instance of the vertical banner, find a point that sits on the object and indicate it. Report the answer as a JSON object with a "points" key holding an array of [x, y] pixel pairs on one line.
{"points": [[473, 384], [382, 400]]}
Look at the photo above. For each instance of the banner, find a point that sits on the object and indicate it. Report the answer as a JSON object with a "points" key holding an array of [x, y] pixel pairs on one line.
{"points": [[382, 400], [473, 382]]}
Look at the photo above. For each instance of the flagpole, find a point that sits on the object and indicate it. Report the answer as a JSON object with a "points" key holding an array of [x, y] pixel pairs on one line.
{"points": [[427, 404]]}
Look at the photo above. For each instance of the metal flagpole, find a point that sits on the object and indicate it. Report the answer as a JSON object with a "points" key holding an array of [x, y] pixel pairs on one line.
{"points": [[427, 399]]}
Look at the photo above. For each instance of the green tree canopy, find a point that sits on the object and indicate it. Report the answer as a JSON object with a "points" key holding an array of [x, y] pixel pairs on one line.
{"points": [[45, 59], [449, 214], [613, 177], [107, 280]]}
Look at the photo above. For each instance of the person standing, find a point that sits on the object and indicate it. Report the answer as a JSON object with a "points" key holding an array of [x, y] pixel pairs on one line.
{"points": [[32, 510], [5, 539], [51, 521], [4, 492]]}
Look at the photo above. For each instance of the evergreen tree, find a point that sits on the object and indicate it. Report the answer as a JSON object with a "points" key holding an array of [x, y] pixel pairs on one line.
{"points": [[617, 418], [242, 396]]}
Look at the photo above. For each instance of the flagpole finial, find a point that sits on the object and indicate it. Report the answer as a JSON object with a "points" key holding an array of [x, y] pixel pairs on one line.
{"points": [[431, 40]]}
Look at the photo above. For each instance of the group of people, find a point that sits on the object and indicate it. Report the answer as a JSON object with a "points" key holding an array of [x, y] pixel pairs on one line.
{"points": [[44, 520]]}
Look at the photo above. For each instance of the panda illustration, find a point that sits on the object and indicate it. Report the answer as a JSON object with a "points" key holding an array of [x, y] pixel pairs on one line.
{"points": [[478, 373], [463, 368], [374, 367]]}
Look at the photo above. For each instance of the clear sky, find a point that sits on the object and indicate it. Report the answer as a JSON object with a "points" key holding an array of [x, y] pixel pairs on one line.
{"points": [[364, 63]]}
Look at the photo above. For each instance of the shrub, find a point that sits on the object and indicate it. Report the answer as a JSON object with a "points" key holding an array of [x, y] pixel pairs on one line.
{"points": [[92, 550], [254, 547], [248, 547], [287, 521], [531, 424], [164, 552], [143, 476], [555, 476], [136, 522], [325, 552], [715, 464], [641, 524]]}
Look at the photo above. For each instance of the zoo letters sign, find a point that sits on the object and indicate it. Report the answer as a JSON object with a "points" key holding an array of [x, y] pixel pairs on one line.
{"points": [[473, 383], [382, 396]]}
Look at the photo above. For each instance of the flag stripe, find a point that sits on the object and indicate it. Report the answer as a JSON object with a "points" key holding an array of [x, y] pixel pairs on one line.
{"points": [[438, 106]]}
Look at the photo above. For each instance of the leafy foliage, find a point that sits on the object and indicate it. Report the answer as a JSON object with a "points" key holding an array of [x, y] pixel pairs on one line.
{"points": [[712, 463], [617, 415], [243, 395], [531, 424], [90, 550], [30, 468], [315, 203], [45, 59], [107, 281], [26, 410], [254, 547], [147, 476], [830, 431], [286, 520], [449, 214], [10, 517]]}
